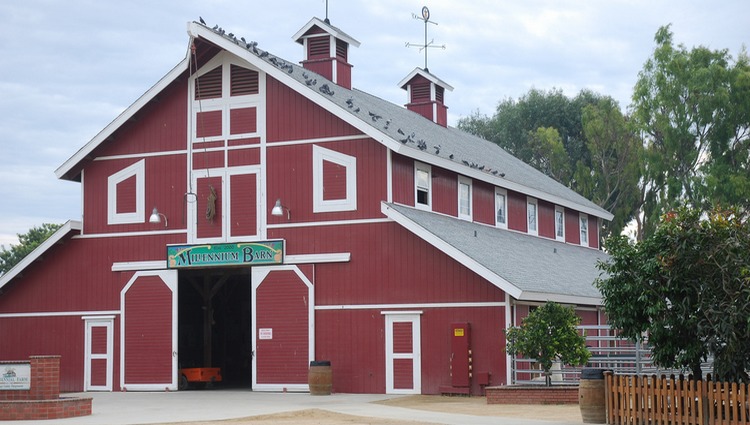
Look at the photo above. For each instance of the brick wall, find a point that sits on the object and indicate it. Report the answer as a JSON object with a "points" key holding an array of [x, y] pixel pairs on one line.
{"points": [[509, 394], [42, 400]]}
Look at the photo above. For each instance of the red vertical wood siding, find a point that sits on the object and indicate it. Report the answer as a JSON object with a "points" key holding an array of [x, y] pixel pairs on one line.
{"points": [[290, 116], [593, 232], [343, 74], [334, 181], [444, 191], [244, 141], [282, 305], [243, 209], [243, 120], [483, 202], [98, 340], [148, 332], [209, 228], [517, 212], [402, 337], [546, 219], [126, 199], [206, 160], [402, 169], [240, 157], [572, 231], [403, 374], [208, 124], [99, 372]]}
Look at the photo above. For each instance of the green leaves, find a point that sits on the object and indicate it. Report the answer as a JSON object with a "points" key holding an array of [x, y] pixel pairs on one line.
{"points": [[548, 334], [27, 243], [686, 287]]}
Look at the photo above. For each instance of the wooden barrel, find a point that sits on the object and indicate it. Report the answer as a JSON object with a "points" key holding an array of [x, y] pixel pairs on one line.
{"points": [[320, 378], [591, 396]]}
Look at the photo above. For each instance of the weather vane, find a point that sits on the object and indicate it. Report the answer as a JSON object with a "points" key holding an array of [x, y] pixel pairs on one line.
{"points": [[426, 18]]}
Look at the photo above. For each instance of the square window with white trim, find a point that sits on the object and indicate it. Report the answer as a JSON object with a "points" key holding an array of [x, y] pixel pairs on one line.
{"points": [[422, 186], [464, 198], [559, 223], [584, 227], [501, 208], [334, 181], [532, 214]]}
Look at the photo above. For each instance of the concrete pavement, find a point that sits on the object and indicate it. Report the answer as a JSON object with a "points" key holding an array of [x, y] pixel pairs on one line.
{"points": [[132, 408]]}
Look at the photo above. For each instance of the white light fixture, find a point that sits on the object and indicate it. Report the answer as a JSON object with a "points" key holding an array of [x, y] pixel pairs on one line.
{"points": [[278, 210], [156, 217]]}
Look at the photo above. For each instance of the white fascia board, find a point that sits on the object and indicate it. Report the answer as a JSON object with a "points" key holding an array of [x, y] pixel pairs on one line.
{"points": [[121, 119], [560, 298], [198, 30], [427, 75], [427, 158], [341, 257], [34, 255], [451, 251], [328, 28]]}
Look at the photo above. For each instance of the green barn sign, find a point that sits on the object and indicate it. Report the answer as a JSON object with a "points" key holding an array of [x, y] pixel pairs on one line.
{"points": [[225, 254]]}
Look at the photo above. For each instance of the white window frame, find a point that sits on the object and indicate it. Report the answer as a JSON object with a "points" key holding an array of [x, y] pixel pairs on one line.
{"points": [[465, 181], [583, 229], [349, 203], [139, 215], [560, 231], [418, 166], [532, 201], [504, 193]]}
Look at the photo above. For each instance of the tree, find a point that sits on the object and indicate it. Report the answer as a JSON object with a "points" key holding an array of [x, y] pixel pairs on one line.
{"points": [[548, 334], [595, 150], [686, 289], [692, 108], [27, 243]]}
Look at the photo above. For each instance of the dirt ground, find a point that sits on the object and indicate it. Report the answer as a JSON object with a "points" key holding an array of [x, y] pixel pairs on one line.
{"points": [[462, 405]]}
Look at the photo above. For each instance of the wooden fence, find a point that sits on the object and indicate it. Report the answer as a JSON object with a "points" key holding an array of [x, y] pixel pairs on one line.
{"points": [[640, 399]]}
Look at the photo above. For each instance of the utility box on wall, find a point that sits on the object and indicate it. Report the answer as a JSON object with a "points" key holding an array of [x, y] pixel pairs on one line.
{"points": [[461, 368]]}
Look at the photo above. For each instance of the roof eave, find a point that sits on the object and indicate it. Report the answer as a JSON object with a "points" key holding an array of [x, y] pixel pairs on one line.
{"points": [[559, 298], [451, 251], [62, 232], [427, 75], [330, 29]]}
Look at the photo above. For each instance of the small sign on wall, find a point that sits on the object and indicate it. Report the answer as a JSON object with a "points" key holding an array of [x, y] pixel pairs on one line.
{"points": [[15, 376], [265, 333]]}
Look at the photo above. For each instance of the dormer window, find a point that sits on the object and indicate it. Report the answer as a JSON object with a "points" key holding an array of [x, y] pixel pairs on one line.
{"points": [[501, 208], [584, 227], [560, 223], [422, 190], [464, 198], [532, 216]]}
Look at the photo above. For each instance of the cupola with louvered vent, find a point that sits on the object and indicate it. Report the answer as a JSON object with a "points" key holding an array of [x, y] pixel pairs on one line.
{"points": [[426, 95], [327, 51]]}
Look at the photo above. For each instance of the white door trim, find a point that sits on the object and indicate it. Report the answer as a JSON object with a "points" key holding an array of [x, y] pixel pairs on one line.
{"points": [[259, 274], [413, 317], [92, 322]]}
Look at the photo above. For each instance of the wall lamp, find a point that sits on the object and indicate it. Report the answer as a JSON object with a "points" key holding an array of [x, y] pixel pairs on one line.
{"points": [[156, 217], [278, 210]]}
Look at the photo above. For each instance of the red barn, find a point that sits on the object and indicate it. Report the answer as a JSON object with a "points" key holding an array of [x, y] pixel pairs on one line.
{"points": [[252, 214]]}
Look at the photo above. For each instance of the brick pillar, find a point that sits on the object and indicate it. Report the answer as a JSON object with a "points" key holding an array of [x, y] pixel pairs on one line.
{"points": [[45, 377]]}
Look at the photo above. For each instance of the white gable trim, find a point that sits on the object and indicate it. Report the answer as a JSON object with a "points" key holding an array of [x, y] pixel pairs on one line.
{"points": [[451, 251], [124, 117], [138, 170], [433, 79], [327, 28], [56, 237]]}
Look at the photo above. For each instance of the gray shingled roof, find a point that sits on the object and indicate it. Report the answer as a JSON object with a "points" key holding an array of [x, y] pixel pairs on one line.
{"points": [[417, 133], [541, 268]]}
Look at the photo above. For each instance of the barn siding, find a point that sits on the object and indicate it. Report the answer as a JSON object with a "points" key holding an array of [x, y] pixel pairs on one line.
{"points": [[517, 212], [546, 219], [572, 231], [403, 179]]}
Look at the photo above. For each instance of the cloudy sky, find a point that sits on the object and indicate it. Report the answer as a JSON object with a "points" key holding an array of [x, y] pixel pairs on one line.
{"points": [[70, 67]]}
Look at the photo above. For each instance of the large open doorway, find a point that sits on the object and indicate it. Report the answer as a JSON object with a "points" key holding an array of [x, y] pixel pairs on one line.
{"points": [[215, 324]]}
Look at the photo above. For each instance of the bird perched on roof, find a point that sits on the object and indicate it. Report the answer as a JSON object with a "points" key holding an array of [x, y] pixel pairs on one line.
{"points": [[326, 90], [201, 20], [375, 117]]}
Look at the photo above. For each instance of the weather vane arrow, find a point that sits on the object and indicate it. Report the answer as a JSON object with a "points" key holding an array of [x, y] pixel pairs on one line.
{"points": [[424, 46]]}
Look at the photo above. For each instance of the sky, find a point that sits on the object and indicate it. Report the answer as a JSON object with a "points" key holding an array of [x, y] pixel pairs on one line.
{"points": [[68, 68]]}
